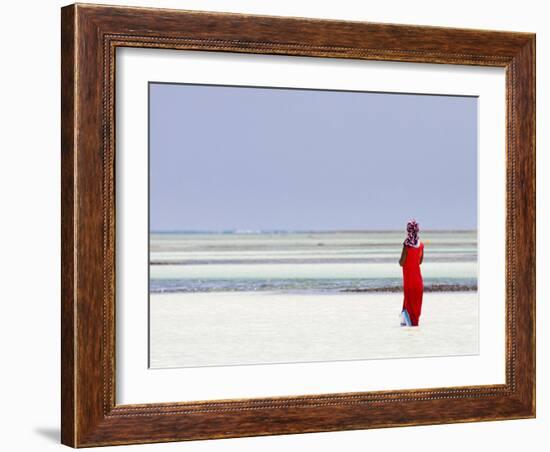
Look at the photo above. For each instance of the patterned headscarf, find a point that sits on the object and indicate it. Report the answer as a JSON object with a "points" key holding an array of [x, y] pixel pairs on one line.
{"points": [[412, 233]]}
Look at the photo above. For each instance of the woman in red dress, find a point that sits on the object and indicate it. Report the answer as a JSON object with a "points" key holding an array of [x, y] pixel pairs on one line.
{"points": [[413, 286]]}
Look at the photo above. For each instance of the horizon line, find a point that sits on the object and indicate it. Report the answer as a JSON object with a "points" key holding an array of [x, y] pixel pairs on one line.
{"points": [[282, 231]]}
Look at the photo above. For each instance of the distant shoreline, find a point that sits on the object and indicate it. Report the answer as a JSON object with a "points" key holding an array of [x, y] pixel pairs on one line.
{"points": [[327, 231], [429, 288], [439, 288]]}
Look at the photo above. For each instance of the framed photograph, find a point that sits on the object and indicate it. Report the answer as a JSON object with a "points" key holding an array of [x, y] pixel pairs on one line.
{"points": [[281, 225]]}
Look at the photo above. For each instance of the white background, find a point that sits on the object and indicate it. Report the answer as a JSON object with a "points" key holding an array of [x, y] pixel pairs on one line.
{"points": [[30, 270]]}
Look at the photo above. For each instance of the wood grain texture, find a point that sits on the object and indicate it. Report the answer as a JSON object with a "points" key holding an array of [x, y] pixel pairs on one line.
{"points": [[90, 36], [68, 147]]}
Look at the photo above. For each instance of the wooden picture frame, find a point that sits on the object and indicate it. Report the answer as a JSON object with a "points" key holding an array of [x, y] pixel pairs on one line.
{"points": [[90, 35]]}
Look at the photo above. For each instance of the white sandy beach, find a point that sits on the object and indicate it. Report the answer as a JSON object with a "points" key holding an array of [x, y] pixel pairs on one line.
{"points": [[236, 328]]}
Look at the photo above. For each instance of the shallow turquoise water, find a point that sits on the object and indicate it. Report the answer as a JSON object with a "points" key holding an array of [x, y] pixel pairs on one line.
{"points": [[305, 261]]}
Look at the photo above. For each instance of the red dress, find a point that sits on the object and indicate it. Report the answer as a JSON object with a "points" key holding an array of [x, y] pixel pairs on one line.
{"points": [[413, 286]]}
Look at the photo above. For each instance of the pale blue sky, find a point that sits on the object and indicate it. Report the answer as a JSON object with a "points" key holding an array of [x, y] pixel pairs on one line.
{"points": [[227, 158]]}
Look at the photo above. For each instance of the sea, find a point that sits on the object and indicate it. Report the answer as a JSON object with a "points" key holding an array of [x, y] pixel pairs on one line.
{"points": [[305, 261]]}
